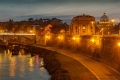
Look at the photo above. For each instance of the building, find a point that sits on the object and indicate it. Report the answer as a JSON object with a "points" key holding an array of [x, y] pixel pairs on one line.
{"points": [[104, 25], [82, 25], [56, 22]]}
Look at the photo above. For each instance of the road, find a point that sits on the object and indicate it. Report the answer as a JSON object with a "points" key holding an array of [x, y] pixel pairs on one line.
{"points": [[99, 69]]}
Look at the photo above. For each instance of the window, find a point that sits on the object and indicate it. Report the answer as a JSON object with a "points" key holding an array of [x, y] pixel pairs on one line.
{"points": [[91, 27], [83, 27]]}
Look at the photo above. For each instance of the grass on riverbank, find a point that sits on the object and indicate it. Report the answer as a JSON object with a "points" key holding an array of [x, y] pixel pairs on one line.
{"points": [[76, 70]]}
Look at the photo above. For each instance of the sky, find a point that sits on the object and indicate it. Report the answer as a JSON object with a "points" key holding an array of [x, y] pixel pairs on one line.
{"points": [[62, 9]]}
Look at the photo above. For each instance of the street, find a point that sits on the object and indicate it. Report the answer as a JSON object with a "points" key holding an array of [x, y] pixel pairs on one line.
{"points": [[99, 69]]}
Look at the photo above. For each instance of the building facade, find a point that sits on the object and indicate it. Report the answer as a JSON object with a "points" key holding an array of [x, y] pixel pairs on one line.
{"points": [[82, 25], [104, 25]]}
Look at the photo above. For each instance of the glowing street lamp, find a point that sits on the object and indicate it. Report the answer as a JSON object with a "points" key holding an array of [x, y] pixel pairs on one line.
{"points": [[31, 31], [118, 44], [93, 40], [75, 38], [47, 36], [92, 22], [112, 20], [60, 37]]}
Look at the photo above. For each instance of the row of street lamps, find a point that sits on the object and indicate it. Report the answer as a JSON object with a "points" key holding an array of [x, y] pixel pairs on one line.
{"points": [[76, 39]]}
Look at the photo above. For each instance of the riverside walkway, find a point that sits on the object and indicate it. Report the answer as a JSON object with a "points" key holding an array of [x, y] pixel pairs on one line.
{"points": [[99, 69]]}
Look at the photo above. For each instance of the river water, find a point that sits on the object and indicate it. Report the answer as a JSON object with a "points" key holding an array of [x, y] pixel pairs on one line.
{"points": [[21, 67]]}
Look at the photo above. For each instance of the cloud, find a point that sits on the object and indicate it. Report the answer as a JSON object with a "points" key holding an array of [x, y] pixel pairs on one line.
{"points": [[63, 9], [55, 1], [64, 18]]}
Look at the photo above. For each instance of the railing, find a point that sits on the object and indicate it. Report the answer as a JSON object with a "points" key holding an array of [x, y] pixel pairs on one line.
{"points": [[17, 34]]}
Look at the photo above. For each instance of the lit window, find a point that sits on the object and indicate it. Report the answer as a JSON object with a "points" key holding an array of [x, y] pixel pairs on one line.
{"points": [[83, 27]]}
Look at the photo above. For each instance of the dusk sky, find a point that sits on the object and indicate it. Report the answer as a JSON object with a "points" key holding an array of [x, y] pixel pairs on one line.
{"points": [[62, 9]]}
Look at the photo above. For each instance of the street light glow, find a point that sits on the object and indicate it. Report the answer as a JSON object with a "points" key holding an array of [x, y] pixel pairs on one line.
{"points": [[47, 36], [60, 37], [31, 31], [93, 40], [92, 22], [119, 44], [74, 38], [112, 20]]}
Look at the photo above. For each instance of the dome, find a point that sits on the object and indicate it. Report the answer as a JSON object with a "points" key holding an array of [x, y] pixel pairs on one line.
{"points": [[104, 18]]}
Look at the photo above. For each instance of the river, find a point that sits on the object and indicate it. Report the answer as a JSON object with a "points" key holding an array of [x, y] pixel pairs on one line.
{"points": [[21, 67]]}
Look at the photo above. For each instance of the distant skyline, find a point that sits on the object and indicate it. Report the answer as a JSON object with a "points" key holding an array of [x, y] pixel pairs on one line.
{"points": [[63, 9]]}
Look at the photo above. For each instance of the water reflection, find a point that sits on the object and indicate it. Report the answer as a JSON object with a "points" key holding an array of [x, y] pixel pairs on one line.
{"points": [[31, 64], [12, 66], [21, 67]]}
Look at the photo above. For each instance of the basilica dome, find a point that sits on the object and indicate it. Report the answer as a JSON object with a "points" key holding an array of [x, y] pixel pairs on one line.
{"points": [[104, 18]]}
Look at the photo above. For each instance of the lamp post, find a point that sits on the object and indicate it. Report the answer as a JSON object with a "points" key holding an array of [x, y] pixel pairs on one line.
{"points": [[76, 40], [118, 47], [47, 37], [93, 45]]}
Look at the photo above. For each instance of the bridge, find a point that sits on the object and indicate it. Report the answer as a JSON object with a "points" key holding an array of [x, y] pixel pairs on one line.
{"points": [[21, 37]]}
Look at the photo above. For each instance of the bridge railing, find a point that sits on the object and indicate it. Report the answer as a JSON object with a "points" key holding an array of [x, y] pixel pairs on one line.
{"points": [[17, 34]]}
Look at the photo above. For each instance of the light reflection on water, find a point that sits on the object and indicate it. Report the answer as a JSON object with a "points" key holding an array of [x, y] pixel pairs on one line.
{"points": [[21, 67]]}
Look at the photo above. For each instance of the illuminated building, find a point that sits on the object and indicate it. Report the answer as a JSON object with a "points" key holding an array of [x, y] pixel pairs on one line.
{"points": [[105, 24], [82, 25]]}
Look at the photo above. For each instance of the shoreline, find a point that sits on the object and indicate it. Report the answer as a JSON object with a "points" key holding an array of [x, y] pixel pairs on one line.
{"points": [[66, 68]]}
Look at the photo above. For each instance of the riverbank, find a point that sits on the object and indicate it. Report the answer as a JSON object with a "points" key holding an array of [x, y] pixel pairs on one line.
{"points": [[99, 69], [62, 67]]}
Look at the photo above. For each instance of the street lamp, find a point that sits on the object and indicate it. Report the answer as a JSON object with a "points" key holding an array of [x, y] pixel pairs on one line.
{"points": [[47, 37], [31, 31], [118, 44], [93, 40], [112, 20], [60, 37], [75, 38]]}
